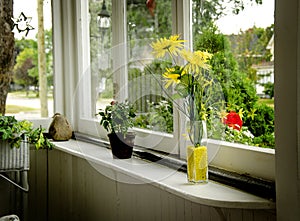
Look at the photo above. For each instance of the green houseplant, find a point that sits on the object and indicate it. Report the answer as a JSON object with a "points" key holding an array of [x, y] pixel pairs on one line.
{"points": [[13, 132], [117, 118], [15, 136]]}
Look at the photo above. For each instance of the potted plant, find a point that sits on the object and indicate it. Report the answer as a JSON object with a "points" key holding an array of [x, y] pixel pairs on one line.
{"points": [[15, 136], [117, 118]]}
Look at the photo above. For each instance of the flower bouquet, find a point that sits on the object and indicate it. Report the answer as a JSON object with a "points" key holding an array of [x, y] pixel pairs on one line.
{"points": [[192, 83]]}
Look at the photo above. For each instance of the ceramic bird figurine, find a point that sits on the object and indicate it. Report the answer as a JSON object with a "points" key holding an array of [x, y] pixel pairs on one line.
{"points": [[60, 128]]}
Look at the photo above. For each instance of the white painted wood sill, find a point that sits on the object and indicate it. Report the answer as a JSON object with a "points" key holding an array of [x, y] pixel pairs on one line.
{"points": [[210, 194]]}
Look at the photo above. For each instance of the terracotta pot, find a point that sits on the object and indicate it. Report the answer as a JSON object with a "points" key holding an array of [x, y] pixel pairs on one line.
{"points": [[121, 147]]}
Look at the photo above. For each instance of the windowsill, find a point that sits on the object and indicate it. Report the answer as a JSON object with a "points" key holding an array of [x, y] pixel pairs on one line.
{"points": [[168, 179]]}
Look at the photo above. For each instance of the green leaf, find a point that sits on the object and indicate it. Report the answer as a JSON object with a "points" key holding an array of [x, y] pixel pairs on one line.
{"points": [[101, 114]]}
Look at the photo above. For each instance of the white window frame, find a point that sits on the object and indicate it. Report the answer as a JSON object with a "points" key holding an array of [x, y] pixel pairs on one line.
{"points": [[88, 125], [72, 80]]}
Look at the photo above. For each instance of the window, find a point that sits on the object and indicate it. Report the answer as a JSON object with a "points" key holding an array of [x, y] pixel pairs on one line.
{"points": [[24, 100], [85, 66], [144, 24], [100, 54], [113, 60]]}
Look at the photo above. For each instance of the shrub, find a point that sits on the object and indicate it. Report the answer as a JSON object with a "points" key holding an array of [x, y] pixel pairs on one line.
{"points": [[159, 118], [239, 91], [261, 125]]}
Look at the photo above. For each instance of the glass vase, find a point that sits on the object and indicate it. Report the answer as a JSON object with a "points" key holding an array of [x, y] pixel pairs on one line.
{"points": [[197, 161]]}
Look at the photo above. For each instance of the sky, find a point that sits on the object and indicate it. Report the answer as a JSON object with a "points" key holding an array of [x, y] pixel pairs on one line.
{"points": [[261, 16], [258, 15]]}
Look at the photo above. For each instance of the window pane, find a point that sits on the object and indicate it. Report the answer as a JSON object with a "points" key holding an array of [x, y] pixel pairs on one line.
{"points": [[145, 23], [242, 43], [23, 99], [100, 52]]}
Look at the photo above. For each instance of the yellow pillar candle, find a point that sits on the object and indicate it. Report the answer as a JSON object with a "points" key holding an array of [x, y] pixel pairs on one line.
{"points": [[197, 165]]}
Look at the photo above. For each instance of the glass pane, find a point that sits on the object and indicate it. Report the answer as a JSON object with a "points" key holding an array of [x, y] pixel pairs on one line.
{"points": [[100, 52], [146, 23], [240, 35], [23, 99]]}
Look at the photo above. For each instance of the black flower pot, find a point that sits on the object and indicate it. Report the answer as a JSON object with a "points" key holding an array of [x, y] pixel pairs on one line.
{"points": [[121, 147]]}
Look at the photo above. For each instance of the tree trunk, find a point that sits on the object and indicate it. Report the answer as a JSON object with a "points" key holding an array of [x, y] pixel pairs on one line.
{"points": [[7, 44], [42, 60]]}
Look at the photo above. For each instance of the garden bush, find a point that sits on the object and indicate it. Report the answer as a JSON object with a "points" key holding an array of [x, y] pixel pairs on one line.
{"points": [[239, 96], [239, 90]]}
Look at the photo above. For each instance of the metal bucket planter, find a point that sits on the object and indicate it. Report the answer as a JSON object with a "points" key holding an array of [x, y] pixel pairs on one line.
{"points": [[15, 160]]}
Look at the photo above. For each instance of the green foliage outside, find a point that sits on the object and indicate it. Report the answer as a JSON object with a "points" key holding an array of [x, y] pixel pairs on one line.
{"points": [[267, 101], [26, 66], [231, 64], [269, 89], [148, 82], [140, 21], [239, 89], [25, 70], [249, 47], [158, 118], [154, 110], [239, 95], [108, 92]]}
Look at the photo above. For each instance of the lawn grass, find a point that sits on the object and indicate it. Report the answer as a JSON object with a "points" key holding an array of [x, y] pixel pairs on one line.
{"points": [[29, 94], [269, 102], [13, 109]]}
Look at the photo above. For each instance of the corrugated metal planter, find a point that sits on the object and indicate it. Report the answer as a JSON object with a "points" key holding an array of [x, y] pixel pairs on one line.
{"points": [[14, 159]]}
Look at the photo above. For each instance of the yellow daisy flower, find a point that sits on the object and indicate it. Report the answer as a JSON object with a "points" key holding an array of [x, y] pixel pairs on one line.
{"points": [[172, 76], [205, 55], [196, 60], [172, 45]]}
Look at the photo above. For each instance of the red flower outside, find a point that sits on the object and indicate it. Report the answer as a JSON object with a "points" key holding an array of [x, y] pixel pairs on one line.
{"points": [[233, 120]]}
